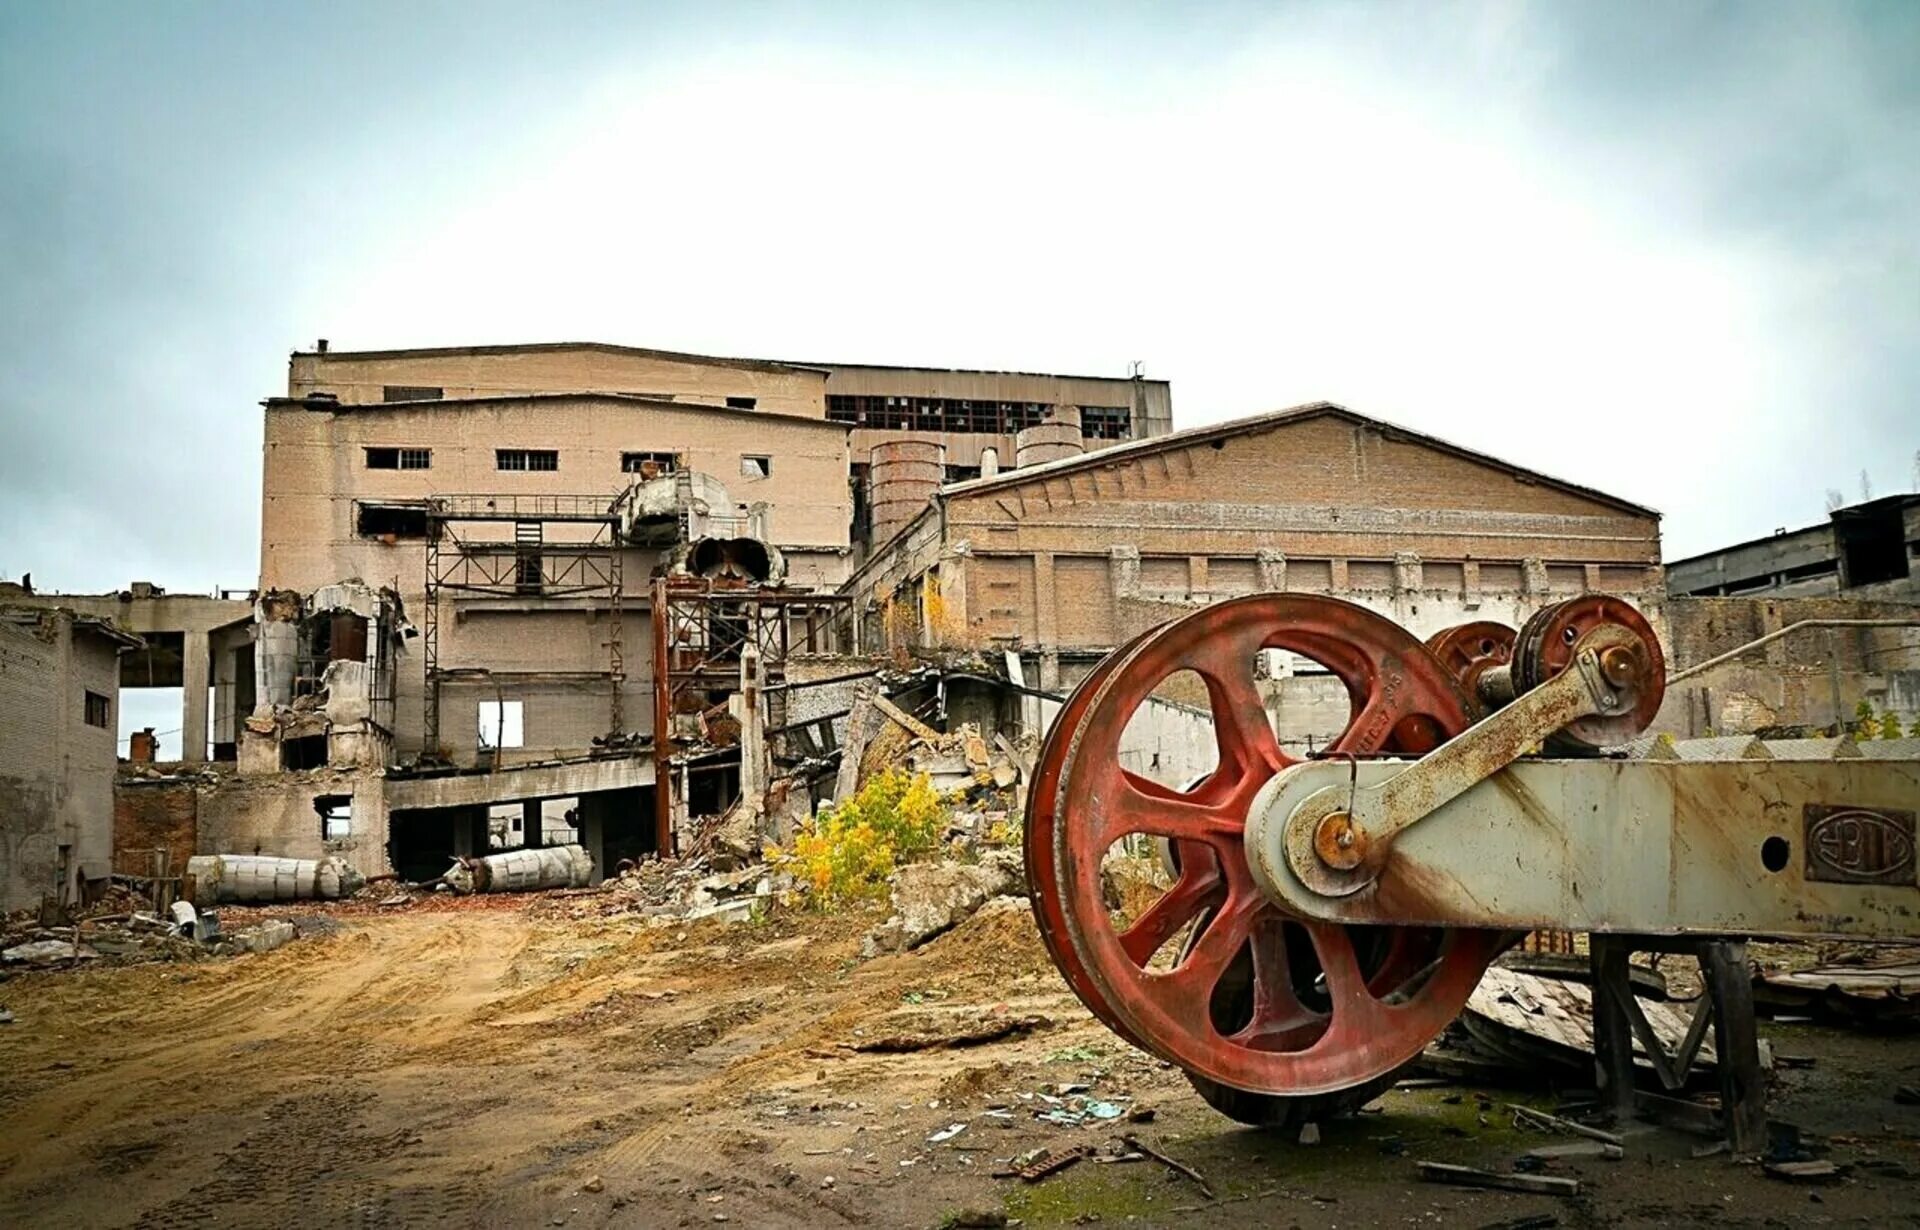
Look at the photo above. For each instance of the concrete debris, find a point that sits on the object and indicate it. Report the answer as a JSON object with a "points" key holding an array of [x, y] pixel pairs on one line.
{"points": [[522, 871], [1880, 993], [930, 899], [221, 878], [47, 952], [1523, 1024]]}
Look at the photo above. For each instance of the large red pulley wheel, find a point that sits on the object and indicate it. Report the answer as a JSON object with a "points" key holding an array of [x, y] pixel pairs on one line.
{"points": [[1252, 999]]}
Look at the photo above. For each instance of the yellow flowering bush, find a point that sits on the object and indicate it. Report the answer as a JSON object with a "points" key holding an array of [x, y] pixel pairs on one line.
{"points": [[847, 853]]}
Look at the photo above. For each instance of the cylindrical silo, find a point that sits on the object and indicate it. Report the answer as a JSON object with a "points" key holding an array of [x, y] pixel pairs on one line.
{"points": [[1057, 437], [903, 476]]}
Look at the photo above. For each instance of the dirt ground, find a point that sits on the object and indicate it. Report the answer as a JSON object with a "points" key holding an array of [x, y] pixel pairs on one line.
{"points": [[495, 1062]]}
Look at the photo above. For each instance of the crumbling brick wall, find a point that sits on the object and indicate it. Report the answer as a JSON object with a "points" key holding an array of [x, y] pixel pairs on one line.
{"points": [[154, 815]]}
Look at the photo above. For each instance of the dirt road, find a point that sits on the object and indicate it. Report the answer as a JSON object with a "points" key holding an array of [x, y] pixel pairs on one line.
{"points": [[484, 1066]]}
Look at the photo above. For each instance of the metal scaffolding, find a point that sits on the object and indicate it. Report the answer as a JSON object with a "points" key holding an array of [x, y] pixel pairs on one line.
{"points": [[563, 546], [700, 630]]}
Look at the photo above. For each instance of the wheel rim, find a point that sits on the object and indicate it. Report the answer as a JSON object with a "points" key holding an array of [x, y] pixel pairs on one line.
{"points": [[1331, 1006], [1471, 650]]}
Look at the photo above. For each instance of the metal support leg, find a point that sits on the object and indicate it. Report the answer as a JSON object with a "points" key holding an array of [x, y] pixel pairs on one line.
{"points": [[1612, 1031], [1736, 1043]]}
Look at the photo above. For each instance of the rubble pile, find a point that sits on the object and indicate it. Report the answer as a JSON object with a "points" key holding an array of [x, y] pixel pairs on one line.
{"points": [[135, 938], [675, 890], [930, 899]]}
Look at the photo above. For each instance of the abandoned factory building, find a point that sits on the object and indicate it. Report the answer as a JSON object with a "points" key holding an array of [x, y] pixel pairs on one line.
{"points": [[1058, 563]]}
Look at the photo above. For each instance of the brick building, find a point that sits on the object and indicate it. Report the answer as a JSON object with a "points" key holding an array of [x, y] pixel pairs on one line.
{"points": [[1061, 562]]}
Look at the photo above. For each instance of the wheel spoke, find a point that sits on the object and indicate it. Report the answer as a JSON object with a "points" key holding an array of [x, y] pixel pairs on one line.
{"points": [[1191, 982], [1278, 1015], [1241, 728], [1346, 985], [1197, 888], [1130, 810]]}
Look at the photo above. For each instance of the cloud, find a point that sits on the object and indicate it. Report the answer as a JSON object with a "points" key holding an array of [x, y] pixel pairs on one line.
{"points": [[1664, 250]]}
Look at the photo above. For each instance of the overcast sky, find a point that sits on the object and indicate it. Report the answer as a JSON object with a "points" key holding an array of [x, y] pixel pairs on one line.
{"points": [[1664, 250]]}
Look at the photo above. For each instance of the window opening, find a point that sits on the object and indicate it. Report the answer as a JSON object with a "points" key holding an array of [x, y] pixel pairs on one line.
{"points": [[638, 463], [526, 459], [502, 723], [755, 467], [99, 710], [336, 816], [411, 392]]}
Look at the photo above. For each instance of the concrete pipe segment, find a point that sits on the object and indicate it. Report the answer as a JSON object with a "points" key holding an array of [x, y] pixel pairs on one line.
{"points": [[222, 878], [522, 871]]}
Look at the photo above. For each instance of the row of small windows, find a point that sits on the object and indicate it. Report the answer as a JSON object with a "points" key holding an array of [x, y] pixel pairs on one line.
{"points": [[752, 465], [965, 416], [428, 392]]}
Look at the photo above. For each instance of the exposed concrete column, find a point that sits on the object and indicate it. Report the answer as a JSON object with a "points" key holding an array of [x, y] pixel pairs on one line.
{"points": [[1273, 570], [753, 744], [196, 676], [593, 832], [1045, 631], [1470, 584], [276, 649], [1197, 585], [533, 824], [1533, 578], [1123, 570], [1407, 572], [1337, 575]]}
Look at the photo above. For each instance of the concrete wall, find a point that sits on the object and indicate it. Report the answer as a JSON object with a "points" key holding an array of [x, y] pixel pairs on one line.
{"points": [[276, 816], [1816, 677], [56, 771], [360, 377], [316, 472]]}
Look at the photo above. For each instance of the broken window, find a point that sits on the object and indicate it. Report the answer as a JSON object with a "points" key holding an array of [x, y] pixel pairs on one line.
{"points": [[306, 752], [1105, 422], [755, 467], [639, 463], [742, 403], [336, 816], [501, 723], [526, 459], [399, 458], [1872, 539], [841, 409], [99, 710], [391, 521], [961, 474], [411, 392]]}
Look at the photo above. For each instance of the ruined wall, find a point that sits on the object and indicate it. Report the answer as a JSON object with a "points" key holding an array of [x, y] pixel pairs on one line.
{"points": [[276, 816], [56, 770], [150, 815], [361, 377], [1816, 677]]}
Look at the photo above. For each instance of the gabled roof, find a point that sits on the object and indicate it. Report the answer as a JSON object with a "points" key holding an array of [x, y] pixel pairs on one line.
{"points": [[653, 403], [758, 365], [1257, 423]]}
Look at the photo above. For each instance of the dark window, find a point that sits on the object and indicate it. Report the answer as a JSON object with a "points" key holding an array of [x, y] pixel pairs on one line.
{"points": [[411, 392], [1873, 543], [743, 403], [399, 459], [1105, 422], [336, 816], [306, 752], [637, 463], [755, 467], [99, 711], [392, 521], [526, 459], [841, 408], [961, 474]]}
